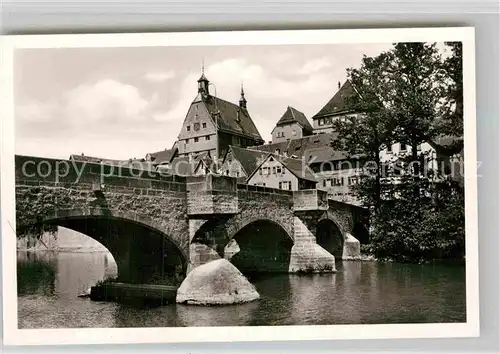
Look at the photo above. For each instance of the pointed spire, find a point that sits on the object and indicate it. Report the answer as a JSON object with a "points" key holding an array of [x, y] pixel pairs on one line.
{"points": [[243, 100], [203, 81]]}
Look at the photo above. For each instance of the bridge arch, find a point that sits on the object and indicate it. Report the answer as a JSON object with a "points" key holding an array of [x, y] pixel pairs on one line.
{"points": [[260, 245], [282, 218], [330, 234], [144, 251]]}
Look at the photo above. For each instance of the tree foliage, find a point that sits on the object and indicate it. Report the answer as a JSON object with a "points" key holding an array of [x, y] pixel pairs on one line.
{"points": [[411, 94]]}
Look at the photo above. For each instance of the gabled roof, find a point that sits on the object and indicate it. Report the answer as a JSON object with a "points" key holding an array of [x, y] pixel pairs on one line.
{"points": [[248, 159], [324, 154], [205, 160], [337, 104], [297, 147], [292, 115], [297, 167], [163, 156], [93, 159], [231, 118], [184, 166]]}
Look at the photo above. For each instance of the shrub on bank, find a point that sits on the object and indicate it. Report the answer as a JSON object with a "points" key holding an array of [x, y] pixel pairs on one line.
{"points": [[419, 230]]}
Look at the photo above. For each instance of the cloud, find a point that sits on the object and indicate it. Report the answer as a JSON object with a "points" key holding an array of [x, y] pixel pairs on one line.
{"points": [[104, 100], [36, 112], [159, 76], [315, 65]]}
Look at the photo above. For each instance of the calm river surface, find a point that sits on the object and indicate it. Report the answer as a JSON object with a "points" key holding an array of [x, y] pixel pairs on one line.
{"points": [[360, 292]]}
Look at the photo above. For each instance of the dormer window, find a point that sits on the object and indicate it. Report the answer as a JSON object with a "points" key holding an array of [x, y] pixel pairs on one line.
{"points": [[188, 128]]}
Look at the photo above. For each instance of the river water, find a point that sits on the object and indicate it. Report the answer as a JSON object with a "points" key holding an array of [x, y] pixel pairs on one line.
{"points": [[359, 293]]}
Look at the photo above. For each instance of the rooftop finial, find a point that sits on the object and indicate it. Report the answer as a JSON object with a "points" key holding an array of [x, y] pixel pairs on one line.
{"points": [[243, 100], [339, 85], [203, 81]]}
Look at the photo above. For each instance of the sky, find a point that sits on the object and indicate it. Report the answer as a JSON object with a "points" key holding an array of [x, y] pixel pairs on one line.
{"points": [[122, 103]]}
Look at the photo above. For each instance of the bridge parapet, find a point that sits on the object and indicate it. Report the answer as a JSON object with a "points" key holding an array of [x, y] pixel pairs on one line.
{"points": [[210, 195], [309, 200]]}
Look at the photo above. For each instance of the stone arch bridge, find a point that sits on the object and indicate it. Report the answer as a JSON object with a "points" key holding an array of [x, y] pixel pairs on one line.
{"points": [[156, 224]]}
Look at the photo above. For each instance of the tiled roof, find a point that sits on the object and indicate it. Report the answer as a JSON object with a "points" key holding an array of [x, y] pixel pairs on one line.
{"points": [[184, 166], [298, 147], [163, 156], [336, 105], [323, 154], [248, 159], [292, 115], [232, 118], [93, 159], [298, 167]]}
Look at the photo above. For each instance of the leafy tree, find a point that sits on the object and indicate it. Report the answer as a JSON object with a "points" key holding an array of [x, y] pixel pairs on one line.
{"points": [[412, 95], [452, 110], [364, 135]]}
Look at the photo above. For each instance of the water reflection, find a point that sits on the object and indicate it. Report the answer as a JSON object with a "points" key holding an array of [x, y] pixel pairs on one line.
{"points": [[369, 292]]}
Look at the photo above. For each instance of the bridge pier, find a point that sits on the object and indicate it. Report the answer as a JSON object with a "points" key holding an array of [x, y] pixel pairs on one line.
{"points": [[307, 255], [155, 224]]}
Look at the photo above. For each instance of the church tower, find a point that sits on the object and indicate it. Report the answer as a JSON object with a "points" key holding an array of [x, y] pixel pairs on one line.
{"points": [[203, 82], [243, 100]]}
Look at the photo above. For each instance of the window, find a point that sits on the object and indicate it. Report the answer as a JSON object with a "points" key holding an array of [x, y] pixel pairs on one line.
{"points": [[207, 137], [187, 141], [237, 173], [279, 170], [277, 151], [294, 132], [188, 128], [402, 146], [274, 170], [353, 180], [204, 125], [339, 181], [327, 182], [286, 185], [227, 172], [321, 121], [389, 147], [195, 140], [265, 171]]}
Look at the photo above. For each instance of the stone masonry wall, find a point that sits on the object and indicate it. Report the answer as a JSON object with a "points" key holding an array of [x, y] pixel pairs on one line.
{"points": [[158, 202], [260, 203]]}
